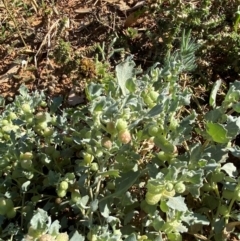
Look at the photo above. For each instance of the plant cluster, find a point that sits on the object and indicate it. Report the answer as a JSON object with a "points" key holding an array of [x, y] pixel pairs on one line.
{"points": [[135, 163]]}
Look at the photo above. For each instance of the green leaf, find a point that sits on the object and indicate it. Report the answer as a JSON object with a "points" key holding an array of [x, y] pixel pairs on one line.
{"points": [[217, 132], [214, 115], [83, 202], [158, 223], [177, 203], [125, 71], [233, 94], [23, 90], [212, 99], [77, 237], [93, 90], [99, 103], [156, 110], [94, 205], [131, 237], [235, 151], [183, 131], [105, 212], [56, 103], [232, 126], [54, 228], [131, 85], [230, 169], [195, 153], [124, 183], [236, 107], [40, 220]]}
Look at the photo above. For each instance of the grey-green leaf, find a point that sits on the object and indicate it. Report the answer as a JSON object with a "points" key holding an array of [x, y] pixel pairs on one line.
{"points": [[177, 203], [230, 169], [77, 237], [94, 205], [217, 132], [54, 228], [125, 71], [212, 99]]}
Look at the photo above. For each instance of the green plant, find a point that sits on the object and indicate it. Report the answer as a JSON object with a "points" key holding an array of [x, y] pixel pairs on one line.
{"points": [[125, 166]]}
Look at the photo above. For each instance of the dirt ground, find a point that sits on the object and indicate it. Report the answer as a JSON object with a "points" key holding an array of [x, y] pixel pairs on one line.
{"points": [[31, 32]]}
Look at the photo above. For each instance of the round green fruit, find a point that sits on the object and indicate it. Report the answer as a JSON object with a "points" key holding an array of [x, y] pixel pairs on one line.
{"points": [[5, 122], [26, 156], [67, 140], [148, 101], [61, 193], [63, 185], [110, 127], [111, 186], [94, 167], [70, 176], [217, 176], [43, 104], [162, 156], [152, 199], [12, 116], [42, 126], [11, 213], [180, 187], [88, 158], [29, 118], [153, 130], [121, 125], [153, 95], [26, 164], [5, 205], [26, 108], [169, 187], [48, 132]]}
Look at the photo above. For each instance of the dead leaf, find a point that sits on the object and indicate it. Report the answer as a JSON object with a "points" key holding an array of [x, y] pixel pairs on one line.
{"points": [[231, 226], [130, 20], [133, 18], [83, 10]]}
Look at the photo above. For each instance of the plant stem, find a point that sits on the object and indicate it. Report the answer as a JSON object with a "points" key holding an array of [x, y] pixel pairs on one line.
{"points": [[14, 21]]}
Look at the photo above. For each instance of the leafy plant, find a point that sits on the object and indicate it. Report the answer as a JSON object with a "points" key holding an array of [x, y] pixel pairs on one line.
{"points": [[135, 163]]}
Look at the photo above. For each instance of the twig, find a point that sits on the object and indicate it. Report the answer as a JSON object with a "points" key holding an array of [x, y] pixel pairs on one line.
{"points": [[14, 21], [44, 41]]}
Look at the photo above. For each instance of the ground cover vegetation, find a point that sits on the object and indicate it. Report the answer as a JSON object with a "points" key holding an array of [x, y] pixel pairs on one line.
{"points": [[119, 120]]}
